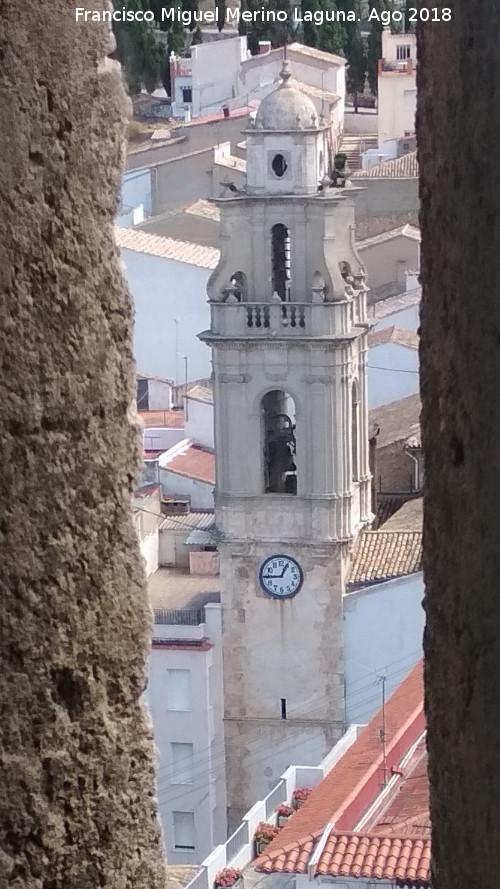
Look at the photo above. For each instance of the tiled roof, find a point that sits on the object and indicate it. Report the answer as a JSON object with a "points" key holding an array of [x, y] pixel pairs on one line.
{"points": [[405, 167], [407, 813], [386, 507], [191, 460], [166, 248], [165, 419], [408, 518], [229, 160], [202, 393], [405, 231], [398, 335], [393, 304], [205, 209], [376, 857], [397, 420], [322, 56], [354, 782], [187, 521], [380, 555]]}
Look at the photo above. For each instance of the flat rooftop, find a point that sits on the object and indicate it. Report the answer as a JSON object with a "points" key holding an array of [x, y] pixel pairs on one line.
{"points": [[176, 589]]}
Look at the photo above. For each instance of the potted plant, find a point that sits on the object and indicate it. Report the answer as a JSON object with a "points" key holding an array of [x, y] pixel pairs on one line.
{"points": [[228, 876], [283, 812], [300, 795], [264, 834]]}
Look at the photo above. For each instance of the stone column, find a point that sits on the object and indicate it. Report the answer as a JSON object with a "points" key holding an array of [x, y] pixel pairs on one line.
{"points": [[459, 152], [77, 805]]}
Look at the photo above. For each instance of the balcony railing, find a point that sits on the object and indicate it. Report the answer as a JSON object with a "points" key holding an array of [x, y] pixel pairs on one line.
{"points": [[287, 319], [184, 617], [393, 66]]}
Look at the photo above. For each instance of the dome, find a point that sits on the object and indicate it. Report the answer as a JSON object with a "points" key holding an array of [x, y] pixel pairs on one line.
{"points": [[286, 108]]}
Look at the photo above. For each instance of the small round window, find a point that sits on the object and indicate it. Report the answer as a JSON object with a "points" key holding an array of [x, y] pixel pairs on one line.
{"points": [[279, 165]]}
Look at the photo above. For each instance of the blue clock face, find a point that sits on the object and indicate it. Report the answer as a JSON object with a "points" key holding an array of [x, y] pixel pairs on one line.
{"points": [[280, 577]]}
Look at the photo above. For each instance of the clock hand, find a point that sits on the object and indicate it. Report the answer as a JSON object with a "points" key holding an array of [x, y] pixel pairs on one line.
{"points": [[284, 569]]}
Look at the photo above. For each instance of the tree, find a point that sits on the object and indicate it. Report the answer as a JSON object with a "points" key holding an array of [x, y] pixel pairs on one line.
{"points": [[141, 54], [356, 71], [277, 32]]}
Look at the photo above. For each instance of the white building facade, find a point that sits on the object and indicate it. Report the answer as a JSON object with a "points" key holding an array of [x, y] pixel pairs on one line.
{"points": [[397, 86], [184, 695]]}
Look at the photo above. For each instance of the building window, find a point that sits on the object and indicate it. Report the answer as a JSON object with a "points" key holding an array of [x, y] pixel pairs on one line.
{"points": [[184, 835], [278, 416], [187, 94], [142, 394], [355, 432], [182, 764], [403, 51], [281, 260], [179, 689]]}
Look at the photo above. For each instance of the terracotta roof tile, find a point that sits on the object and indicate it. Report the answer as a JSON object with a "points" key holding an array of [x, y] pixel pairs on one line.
{"points": [[407, 231], [405, 167], [376, 857], [398, 335], [380, 555], [204, 208], [353, 783], [408, 518], [301, 50], [166, 248], [397, 420], [192, 461]]}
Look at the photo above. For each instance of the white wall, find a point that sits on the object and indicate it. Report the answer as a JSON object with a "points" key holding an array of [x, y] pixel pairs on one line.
{"points": [[149, 551], [172, 548], [215, 72], [136, 192], [409, 319], [156, 438], [159, 395], [164, 290], [387, 261], [199, 426], [399, 376], [383, 627], [397, 102], [201, 726], [173, 484]]}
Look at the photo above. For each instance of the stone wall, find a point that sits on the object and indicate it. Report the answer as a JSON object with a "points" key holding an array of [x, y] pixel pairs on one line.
{"points": [[459, 146], [77, 806]]}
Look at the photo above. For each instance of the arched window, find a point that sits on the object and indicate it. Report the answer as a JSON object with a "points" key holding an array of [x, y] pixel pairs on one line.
{"points": [[278, 420], [355, 431], [281, 260], [238, 283]]}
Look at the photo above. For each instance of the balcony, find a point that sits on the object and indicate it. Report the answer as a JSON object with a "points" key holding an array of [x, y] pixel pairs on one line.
{"points": [[287, 320], [391, 66]]}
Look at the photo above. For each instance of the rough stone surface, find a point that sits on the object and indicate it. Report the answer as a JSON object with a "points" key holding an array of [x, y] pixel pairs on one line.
{"points": [[77, 807], [459, 148]]}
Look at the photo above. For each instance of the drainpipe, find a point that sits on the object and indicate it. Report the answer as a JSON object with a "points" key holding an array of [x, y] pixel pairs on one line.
{"points": [[417, 468]]}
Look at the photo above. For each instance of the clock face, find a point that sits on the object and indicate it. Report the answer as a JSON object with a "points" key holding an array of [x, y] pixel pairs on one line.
{"points": [[281, 577]]}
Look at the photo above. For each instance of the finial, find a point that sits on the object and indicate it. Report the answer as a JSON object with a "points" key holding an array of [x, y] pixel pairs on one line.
{"points": [[285, 72], [313, 120], [298, 122], [322, 119]]}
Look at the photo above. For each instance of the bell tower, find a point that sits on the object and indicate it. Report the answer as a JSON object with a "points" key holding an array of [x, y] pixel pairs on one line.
{"points": [[289, 343]]}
